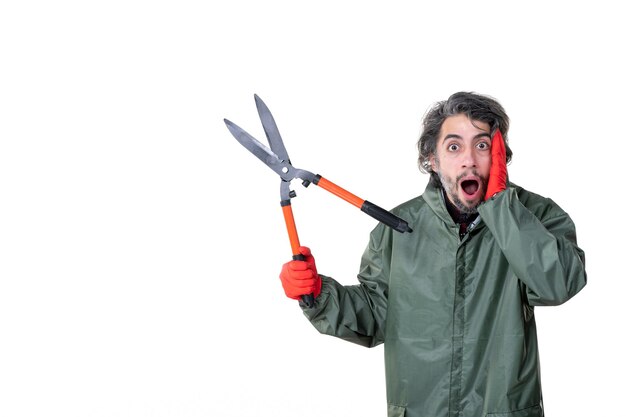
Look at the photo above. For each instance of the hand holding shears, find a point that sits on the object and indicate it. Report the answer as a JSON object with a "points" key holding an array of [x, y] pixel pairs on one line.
{"points": [[277, 159]]}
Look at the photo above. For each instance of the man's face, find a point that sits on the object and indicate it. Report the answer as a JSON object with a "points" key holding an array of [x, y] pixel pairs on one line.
{"points": [[462, 160]]}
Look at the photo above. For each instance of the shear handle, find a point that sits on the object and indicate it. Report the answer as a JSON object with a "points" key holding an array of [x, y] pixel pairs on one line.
{"points": [[307, 299], [385, 217], [367, 207]]}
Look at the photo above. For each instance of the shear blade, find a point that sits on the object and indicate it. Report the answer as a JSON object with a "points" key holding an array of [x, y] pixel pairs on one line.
{"points": [[261, 151], [271, 129]]}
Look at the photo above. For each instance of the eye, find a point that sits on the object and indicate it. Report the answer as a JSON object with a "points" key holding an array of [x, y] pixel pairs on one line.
{"points": [[483, 146], [453, 147]]}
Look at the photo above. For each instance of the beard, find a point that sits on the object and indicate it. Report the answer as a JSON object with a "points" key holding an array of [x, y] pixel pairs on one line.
{"points": [[451, 188]]}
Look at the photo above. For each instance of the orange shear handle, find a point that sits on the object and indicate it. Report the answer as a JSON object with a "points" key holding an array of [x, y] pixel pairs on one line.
{"points": [[294, 241], [367, 207]]}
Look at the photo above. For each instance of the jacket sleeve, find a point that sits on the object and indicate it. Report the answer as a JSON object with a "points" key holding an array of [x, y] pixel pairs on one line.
{"points": [[356, 313], [541, 250]]}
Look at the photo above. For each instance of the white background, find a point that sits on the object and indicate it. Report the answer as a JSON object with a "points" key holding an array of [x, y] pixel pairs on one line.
{"points": [[140, 244]]}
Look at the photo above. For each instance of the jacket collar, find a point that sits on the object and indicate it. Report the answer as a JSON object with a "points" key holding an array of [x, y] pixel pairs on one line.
{"points": [[434, 197]]}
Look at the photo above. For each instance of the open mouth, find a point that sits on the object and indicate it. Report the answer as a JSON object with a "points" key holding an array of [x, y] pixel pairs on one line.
{"points": [[470, 187]]}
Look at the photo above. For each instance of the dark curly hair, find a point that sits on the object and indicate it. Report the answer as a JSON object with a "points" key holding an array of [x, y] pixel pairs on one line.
{"points": [[475, 107]]}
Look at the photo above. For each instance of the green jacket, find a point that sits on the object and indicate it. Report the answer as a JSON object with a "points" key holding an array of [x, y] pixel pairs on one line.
{"points": [[457, 315]]}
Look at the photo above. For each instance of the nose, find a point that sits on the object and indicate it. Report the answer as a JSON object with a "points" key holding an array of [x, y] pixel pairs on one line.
{"points": [[469, 158]]}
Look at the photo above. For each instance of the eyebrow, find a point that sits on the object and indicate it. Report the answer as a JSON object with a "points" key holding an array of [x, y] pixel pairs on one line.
{"points": [[455, 136]]}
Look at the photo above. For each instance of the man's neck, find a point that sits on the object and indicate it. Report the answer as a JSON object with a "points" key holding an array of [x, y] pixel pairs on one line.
{"points": [[462, 219]]}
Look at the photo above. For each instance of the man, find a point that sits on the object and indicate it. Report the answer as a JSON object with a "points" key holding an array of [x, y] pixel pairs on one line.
{"points": [[454, 301]]}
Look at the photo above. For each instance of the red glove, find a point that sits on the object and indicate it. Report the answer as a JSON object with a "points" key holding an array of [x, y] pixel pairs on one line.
{"points": [[300, 277], [498, 172]]}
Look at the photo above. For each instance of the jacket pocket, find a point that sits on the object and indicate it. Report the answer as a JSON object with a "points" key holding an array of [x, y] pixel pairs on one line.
{"points": [[395, 410], [535, 411]]}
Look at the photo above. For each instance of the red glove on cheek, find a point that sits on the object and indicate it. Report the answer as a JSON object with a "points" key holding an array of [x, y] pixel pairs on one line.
{"points": [[498, 172], [300, 277]]}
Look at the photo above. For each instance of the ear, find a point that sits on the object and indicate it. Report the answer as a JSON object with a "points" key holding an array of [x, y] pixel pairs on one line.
{"points": [[433, 163]]}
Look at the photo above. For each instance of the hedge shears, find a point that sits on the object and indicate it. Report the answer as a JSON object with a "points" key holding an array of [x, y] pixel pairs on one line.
{"points": [[277, 159]]}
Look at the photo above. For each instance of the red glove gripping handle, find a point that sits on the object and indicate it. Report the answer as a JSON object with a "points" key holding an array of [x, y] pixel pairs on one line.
{"points": [[498, 172], [300, 278]]}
